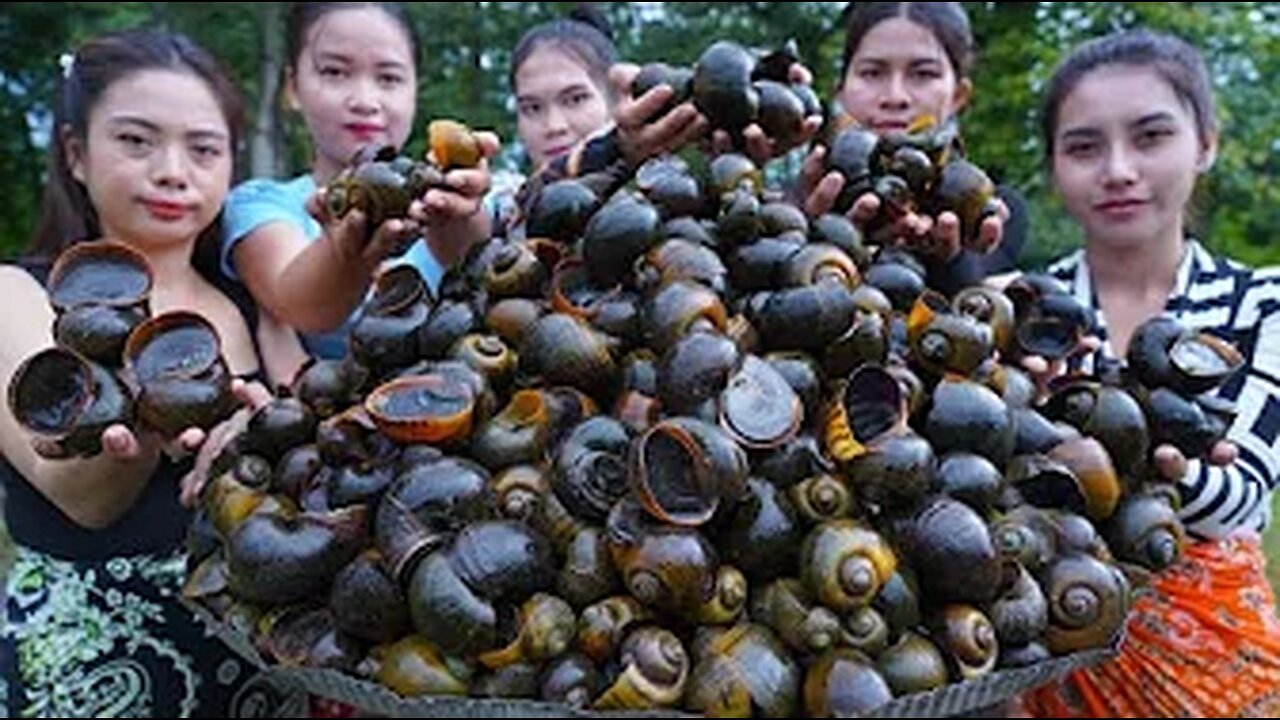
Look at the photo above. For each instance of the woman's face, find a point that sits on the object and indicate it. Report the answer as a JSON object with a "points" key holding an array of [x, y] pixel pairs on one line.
{"points": [[355, 84], [558, 104], [157, 158], [1126, 155], [899, 74]]}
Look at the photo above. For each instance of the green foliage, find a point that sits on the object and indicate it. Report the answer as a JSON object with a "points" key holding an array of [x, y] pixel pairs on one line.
{"points": [[467, 48]]}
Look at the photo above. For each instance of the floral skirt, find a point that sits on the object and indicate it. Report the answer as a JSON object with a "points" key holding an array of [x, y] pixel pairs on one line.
{"points": [[1204, 643], [113, 639]]}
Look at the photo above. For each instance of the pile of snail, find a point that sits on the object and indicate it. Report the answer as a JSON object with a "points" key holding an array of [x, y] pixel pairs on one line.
{"points": [[112, 362], [684, 448]]}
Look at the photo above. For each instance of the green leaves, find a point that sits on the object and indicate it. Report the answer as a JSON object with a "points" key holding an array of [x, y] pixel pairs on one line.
{"points": [[466, 52]]}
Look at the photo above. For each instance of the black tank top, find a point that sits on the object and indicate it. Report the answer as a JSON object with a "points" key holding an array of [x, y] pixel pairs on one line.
{"points": [[156, 523]]}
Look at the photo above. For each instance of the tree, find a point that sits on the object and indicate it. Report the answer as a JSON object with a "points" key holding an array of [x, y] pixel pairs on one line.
{"points": [[466, 50]]}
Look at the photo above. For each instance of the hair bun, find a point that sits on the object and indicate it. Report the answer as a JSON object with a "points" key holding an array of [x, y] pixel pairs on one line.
{"points": [[589, 14]]}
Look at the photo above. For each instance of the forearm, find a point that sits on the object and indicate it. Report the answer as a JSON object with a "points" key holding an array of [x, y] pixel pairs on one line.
{"points": [[449, 242], [94, 492], [318, 289]]}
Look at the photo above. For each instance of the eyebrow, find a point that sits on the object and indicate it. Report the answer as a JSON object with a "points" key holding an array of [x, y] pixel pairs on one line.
{"points": [[913, 62], [146, 124], [1161, 116], [331, 56], [1088, 133]]}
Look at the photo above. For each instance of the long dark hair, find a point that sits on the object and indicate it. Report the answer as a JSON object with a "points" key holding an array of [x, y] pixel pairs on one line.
{"points": [[585, 33], [948, 22], [67, 215]]}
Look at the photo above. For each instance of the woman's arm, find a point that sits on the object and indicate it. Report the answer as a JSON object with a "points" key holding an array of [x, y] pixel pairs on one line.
{"points": [[92, 492], [1218, 499]]}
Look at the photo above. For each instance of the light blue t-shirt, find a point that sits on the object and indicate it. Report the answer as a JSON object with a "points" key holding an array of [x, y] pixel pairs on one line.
{"points": [[255, 203]]}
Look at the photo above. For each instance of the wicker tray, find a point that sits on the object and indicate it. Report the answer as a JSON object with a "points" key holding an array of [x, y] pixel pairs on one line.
{"points": [[950, 701]]}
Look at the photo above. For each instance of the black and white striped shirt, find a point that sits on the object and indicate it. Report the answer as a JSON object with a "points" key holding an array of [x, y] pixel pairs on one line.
{"points": [[1240, 305]]}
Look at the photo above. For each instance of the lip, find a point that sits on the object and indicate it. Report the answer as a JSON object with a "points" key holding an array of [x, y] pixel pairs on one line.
{"points": [[364, 130], [887, 126], [1120, 208], [558, 150], [166, 209]]}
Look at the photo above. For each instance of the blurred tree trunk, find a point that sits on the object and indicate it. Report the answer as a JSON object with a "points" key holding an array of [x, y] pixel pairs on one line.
{"points": [[266, 156]]}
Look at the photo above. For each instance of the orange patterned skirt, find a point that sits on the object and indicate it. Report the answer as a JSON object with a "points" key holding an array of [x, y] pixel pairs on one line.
{"points": [[1205, 642]]}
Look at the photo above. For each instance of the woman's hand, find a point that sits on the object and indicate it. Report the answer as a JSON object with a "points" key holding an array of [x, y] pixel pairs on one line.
{"points": [[938, 238], [466, 188], [642, 136], [252, 396], [1171, 464], [760, 147], [350, 238]]}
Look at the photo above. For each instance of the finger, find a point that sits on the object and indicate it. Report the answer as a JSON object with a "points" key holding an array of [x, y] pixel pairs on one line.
{"points": [[668, 133], [693, 130], [49, 449], [120, 443], [1223, 453], [799, 74], [824, 196], [913, 225], [251, 394], [621, 75], [1088, 344], [635, 114], [1035, 365], [990, 233], [469, 183], [865, 209], [190, 487], [443, 206], [317, 208], [191, 439], [759, 147], [721, 143], [489, 142], [812, 169], [808, 131], [1002, 210], [1170, 462], [946, 235], [391, 239]]}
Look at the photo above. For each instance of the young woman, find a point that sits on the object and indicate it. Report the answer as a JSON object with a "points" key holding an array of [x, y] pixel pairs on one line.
{"points": [[146, 128], [1129, 126], [352, 76]]}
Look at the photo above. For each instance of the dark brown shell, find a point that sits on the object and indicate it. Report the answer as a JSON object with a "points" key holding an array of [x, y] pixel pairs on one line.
{"points": [[175, 345], [99, 273], [60, 396]]}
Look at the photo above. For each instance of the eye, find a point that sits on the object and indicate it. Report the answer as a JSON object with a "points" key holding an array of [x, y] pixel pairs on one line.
{"points": [[332, 72], [133, 139], [1080, 149], [927, 73], [577, 98], [870, 73], [391, 79], [207, 151], [529, 109], [1152, 136]]}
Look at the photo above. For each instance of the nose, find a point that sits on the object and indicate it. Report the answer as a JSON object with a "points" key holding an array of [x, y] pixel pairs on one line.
{"points": [[1120, 167], [893, 94], [557, 121], [363, 98], [169, 167]]}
